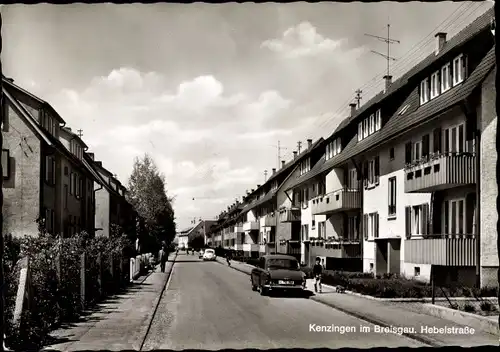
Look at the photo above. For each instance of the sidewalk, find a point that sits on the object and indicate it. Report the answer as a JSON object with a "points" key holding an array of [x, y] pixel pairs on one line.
{"points": [[387, 315], [121, 323]]}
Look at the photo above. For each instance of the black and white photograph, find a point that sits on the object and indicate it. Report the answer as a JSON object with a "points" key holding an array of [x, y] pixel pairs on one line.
{"points": [[248, 176]]}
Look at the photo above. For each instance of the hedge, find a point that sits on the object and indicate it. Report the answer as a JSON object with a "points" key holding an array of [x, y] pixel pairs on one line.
{"points": [[395, 286], [54, 265]]}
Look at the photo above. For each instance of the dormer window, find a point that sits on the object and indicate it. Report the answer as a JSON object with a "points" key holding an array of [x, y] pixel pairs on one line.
{"points": [[458, 70], [305, 166], [445, 78], [435, 85], [333, 148], [424, 91], [370, 125]]}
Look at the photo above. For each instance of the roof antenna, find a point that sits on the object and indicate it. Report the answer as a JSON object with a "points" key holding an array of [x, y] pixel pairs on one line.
{"points": [[389, 41]]}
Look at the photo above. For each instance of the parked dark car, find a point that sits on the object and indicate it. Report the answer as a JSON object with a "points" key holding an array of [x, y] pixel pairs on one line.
{"points": [[277, 272]]}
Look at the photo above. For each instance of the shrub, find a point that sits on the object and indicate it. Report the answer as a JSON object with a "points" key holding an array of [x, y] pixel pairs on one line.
{"points": [[469, 308], [486, 306]]}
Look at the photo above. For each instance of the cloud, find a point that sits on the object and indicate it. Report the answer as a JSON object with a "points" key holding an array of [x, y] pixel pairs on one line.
{"points": [[301, 41], [201, 137]]}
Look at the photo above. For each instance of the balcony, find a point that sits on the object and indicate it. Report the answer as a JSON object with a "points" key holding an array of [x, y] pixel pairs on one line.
{"points": [[335, 249], [290, 215], [448, 250], [439, 172], [341, 200], [238, 229], [251, 226], [251, 247], [268, 220]]}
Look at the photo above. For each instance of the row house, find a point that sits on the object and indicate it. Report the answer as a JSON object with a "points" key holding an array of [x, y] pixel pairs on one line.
{"points": [[409, 177], [47, 176]]}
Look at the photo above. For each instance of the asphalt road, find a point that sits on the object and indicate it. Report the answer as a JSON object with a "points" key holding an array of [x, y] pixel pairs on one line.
{"points": [[211, 306]]}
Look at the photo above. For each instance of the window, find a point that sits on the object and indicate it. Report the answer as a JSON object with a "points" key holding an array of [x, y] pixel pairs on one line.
{"points": [[435, 85], [372, 171], [417, 151], [372, 124], [445, 78], [352, 228], [404, 109], [360, 131], [391, 154], [416, 271], [352, 181], [454, 139], [378, 120], [371, 225], [6, 164], [417, 220], [313, 224], [458, 70], [50, 170], [424, 91], [80, 187], [65, 197], [339, 145], [365, 128], [455, 217], [392, 196], [305, 232], [71, 184]]}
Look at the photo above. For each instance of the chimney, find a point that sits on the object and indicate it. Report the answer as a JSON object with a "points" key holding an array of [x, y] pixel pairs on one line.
{"points": [[91, 155], [258, 186], [247, 192], [353, 109], [294, 154], [440, 41], [98, 163], [252, 190], [67, 129], [282, 163], [309, 143], [388, 82]]}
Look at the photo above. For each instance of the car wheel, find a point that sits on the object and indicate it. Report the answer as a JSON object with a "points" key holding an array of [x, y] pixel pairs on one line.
{"points": [[254, 287], [263, 291]]}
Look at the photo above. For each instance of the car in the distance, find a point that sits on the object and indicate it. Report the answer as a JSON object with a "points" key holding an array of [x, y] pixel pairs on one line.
{"points": [[277, 272], [209, 254]]}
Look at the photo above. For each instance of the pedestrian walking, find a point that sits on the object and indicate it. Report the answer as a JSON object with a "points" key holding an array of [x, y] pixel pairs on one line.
{"points": [[162, 256]]}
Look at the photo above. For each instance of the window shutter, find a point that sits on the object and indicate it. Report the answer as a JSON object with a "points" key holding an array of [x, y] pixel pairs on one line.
{"points": [[408, 221], [470, 212], [425, 219], [437, 148], [365, 174], [408, 153], [425, 145], [365, 226], [377, 169], [464, 67], [376, 225]]}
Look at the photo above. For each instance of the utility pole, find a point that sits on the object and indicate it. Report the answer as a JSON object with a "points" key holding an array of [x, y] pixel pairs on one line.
{"points": [[299, 145], [80, 133], [358, 97], [389, 41]]}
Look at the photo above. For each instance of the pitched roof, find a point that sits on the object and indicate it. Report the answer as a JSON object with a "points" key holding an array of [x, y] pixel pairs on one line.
{"points": [[399, 124], [18, 91], [269, 196], [478, 25], [309, 175], [25, 115]]}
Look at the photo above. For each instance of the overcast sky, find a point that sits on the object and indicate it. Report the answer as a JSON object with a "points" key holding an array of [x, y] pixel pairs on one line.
{"points": [[208, 90]]}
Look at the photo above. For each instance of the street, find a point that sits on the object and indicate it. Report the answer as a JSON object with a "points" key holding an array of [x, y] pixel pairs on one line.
{"points": [[211, 306]]}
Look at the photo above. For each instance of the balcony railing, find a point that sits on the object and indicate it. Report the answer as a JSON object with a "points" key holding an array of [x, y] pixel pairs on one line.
{"points": [[238, 228], [290, 215], [251, 226], [336, 248], [440, 171], [449, 250], [268, 220], [340, 200]]}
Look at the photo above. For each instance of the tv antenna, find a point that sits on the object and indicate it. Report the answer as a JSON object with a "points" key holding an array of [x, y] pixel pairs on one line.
{"points": [[358, 97], [389, 41]]}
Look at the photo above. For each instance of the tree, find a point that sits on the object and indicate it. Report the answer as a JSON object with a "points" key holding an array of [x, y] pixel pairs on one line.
{"points": [[148, 195]]}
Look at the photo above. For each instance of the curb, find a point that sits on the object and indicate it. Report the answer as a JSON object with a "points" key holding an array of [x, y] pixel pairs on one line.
{"points": [[370, 320], [157, 303], [419, 338]]}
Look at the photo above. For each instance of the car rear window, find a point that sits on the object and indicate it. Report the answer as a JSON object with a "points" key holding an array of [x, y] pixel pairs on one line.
{"points": [[209, 251], [283, 263]]}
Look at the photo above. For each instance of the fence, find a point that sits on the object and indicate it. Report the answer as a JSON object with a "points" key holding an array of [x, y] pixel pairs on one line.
{"points": [[96, 279]]}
